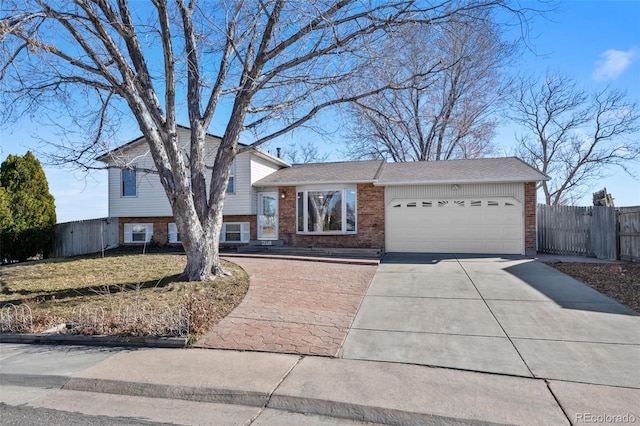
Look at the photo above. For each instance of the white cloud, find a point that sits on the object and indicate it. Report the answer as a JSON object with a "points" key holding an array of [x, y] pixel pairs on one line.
{"points": [[613, 62]]}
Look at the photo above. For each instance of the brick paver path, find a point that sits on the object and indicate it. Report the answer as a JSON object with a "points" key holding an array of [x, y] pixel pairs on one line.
{"points": [[293, 307]]}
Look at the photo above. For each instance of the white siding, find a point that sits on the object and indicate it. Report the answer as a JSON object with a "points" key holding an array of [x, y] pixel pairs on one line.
{"points": [[515, 190], [259, 168], [239, 202], [151, 199]]}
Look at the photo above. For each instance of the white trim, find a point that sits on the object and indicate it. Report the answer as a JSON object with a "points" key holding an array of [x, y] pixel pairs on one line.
{"points": [[343, 189], [135, 181], [173, 234], [319, 182], [270, 158], [261, 195], [128, 232], [245, 232], [232, 175], [459, 181]]}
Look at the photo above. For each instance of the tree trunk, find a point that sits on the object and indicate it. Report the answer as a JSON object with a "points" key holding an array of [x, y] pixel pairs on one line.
{"points": [[203, 254]]}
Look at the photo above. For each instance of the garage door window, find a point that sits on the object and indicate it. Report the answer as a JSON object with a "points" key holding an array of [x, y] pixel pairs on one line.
{"points": [[327, 211]]}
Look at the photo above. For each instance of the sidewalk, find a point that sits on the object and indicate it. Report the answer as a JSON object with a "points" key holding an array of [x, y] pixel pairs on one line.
{"points": [[255, 388]]}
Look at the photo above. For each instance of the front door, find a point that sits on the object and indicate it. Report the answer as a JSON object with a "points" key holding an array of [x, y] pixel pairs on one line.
{"points": [[267, 215]]}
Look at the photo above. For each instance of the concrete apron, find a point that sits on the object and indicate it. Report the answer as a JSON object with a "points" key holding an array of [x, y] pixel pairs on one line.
{"points": [[506, 315]]}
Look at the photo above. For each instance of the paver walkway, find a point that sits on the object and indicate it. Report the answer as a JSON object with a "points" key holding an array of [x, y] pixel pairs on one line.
{"points": [[293, 307]]}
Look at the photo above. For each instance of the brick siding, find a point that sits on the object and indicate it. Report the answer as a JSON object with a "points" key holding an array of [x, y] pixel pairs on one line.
{"points": [[370, 221], [161, 227], [370, 225], [530, 218]]}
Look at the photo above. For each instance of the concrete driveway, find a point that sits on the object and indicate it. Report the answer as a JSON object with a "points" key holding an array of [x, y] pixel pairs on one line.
{"points": [[507, 315]]}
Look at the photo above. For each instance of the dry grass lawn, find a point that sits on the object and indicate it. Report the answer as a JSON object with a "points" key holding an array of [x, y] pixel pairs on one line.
{"points": [[120, 292], [620, 282]]}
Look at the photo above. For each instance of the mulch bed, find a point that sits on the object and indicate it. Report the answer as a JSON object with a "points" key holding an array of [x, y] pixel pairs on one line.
{"points": [[619, 281]]}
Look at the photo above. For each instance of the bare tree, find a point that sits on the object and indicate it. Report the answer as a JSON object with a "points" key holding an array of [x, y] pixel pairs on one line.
{"points": [[260, 67], [572, 134], [305, 152], [453, 71]]}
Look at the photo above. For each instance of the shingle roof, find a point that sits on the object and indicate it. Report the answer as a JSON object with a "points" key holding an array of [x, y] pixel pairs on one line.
{"points": [[312, 173], [481, 170], [105, 157]]}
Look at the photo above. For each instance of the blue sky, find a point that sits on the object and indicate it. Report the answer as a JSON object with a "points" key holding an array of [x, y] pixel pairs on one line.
{"points": [[595, 42]]}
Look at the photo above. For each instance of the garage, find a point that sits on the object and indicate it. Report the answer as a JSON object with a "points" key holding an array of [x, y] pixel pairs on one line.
{"points": [[492, 225]]}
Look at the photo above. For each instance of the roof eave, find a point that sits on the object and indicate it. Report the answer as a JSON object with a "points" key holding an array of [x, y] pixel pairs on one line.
{"points": [[105, 157], [459, 181], [319, 182], [269, 157]]}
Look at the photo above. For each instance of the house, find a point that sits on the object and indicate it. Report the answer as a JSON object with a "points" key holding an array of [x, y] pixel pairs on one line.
{"points": [[138, 200], [458, 206]]}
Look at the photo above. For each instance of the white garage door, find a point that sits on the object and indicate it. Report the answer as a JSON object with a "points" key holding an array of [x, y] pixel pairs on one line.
{"points": [[455, 225]]}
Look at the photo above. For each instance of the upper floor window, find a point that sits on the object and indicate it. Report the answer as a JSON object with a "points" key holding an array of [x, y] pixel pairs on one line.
{"points": [[231, 186], [327, 211], [129, 188]]}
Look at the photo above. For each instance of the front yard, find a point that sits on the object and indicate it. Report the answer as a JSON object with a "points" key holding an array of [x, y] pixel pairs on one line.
{"points": [[120, 294]]}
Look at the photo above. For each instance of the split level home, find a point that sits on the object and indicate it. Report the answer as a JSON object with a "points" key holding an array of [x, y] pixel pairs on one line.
{"points": [[458, 206]]}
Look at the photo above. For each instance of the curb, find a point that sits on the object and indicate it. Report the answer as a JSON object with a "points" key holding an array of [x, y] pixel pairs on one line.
{"points": [[78, 339], [296, 404], [365, 413], [153, 390], [368, 262], [33, 380], [290, 403]]}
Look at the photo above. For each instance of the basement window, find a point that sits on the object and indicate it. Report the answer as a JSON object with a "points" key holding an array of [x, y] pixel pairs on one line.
{"points": [[138, 232], [235, 232], [174, 235]]}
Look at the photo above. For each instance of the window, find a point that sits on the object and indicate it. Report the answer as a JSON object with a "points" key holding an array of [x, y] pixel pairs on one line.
{"points": [[235, 232], [129, 188], [174, 235], [138, 232], [231, 186], [327, 211]]}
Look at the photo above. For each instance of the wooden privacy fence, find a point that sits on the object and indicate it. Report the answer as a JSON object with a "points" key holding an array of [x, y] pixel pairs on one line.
{"points": [[629, 233], [603, 232], [85, 236]]}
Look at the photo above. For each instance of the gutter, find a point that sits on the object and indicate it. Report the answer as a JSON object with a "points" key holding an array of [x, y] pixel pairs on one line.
{"points": [[320, 182], [463, 181]]}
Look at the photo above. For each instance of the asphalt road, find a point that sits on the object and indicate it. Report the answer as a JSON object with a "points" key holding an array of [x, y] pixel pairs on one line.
{"points": [[22, 416]]}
